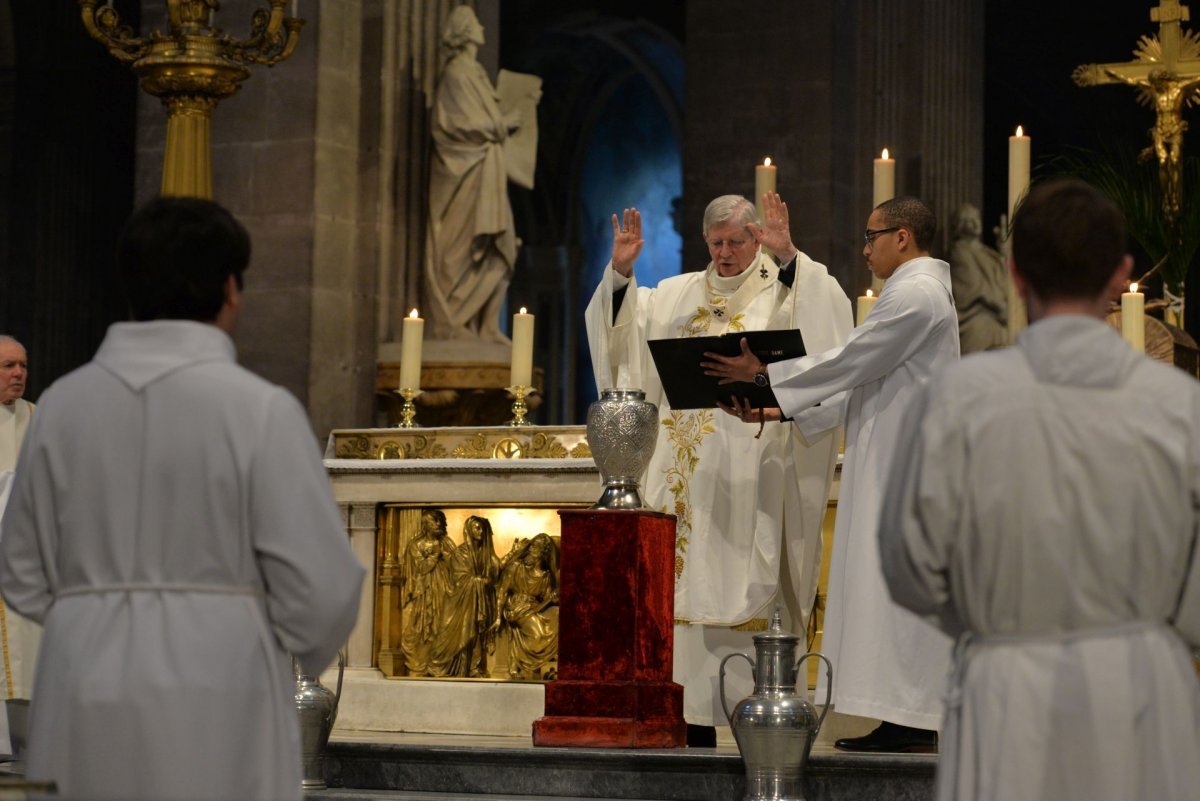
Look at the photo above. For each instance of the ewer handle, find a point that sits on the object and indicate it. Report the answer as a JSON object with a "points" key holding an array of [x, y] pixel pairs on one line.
{"points": [[753, 671], [828, 683]]}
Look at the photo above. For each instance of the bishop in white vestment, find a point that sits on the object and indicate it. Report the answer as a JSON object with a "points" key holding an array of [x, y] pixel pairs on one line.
{"points": [[1044, 507], [887, 662], [738, 501]]}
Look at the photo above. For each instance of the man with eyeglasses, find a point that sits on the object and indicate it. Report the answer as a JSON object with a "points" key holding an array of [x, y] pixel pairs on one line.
{"points": [[889, 664], [738, 501], [1043, 507]]}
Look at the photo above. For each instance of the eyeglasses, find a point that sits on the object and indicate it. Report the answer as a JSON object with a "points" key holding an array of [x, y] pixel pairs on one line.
{"points": [[734, 244], [870, 235]]}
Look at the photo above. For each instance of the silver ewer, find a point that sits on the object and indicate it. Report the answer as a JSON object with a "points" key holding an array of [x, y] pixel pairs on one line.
{"points": [[775, 727], [622, 428], [317, 707]]}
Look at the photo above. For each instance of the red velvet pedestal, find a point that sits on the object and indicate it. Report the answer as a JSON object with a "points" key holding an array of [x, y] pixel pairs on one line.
{"points": [[616, 632]]}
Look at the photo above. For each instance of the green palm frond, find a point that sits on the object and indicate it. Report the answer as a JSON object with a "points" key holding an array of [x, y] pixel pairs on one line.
{"points": [[1133, 185]]}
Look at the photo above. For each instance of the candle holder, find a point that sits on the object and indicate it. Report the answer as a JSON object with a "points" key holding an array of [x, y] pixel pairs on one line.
{"points": [[519, 408], [408, 412]]}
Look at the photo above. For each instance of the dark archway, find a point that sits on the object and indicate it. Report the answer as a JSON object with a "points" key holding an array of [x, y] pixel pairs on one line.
{"points": [[610, 127]]}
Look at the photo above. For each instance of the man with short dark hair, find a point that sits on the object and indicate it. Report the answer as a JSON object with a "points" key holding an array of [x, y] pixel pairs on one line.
{"points": [[889, 664], [1043, 507], [173, 529]]}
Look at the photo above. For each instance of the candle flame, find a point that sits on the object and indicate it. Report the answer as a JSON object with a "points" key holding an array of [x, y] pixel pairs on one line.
{"points": [[767, 161], [885, 154], [413, 314], [1133, 287], [1020, 131], [869, 293], [523, 310]]}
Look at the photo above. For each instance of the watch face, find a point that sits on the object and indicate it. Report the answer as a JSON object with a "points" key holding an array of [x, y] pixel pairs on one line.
{"points": [[760, 379]]}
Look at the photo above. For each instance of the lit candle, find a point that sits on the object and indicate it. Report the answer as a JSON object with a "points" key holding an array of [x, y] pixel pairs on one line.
{"points": [[1133, 317], [884, 187], [764, 181], [1018, 170], [410, 351], [865, 302], [295, 8], [521, 373]]}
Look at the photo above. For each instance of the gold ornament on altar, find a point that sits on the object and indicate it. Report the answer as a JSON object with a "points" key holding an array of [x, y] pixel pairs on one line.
{"points": [[191, 68]]}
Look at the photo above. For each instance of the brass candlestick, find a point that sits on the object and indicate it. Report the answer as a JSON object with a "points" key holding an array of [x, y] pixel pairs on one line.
{"points": [[191, 68], [408, 412], [519, 408]]}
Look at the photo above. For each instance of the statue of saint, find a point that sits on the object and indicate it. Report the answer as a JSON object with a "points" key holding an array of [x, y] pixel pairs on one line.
{"points": [[424, 568], [527, 604], [471, 245], [466, 637], [980, 282]]}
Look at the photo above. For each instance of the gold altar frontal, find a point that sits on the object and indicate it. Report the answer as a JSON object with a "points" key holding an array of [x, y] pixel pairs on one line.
{"points": [[393, 486]]}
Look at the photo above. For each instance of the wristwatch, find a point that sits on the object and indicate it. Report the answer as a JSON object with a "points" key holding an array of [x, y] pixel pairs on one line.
{"points": [[761, 379]]}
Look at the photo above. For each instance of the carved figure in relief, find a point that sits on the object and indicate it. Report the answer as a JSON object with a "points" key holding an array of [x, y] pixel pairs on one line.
{"points": [[527, 605], [425, 569], [466, 636]]}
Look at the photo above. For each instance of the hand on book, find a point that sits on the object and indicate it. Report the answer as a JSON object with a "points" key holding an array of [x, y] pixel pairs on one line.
{"points": [[732, 368]]}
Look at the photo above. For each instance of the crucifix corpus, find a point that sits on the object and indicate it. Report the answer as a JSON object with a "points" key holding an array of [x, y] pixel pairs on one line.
{"points": [[1166, 72]]}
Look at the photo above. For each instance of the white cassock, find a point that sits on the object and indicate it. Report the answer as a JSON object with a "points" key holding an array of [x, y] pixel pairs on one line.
{"points": [[1046, 499], [20, 635], [887, 662], [174, 531], [737, 500]]}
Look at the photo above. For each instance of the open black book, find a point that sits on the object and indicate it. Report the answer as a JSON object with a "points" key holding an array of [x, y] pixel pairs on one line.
{"points": [[686, 385]]}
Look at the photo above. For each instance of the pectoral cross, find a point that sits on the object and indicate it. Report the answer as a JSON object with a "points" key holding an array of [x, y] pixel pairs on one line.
{"points": [[1166, 72]]}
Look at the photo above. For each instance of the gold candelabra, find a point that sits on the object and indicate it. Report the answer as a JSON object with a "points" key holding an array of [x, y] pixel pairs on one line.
{"points": [[191, 68], [408, 410], [519, 408]]}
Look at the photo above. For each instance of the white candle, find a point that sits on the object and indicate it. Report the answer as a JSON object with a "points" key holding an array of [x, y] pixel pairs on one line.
{"points": [[295, 8], [865, 303], [521, 372], [1133, 318], [410, 351], [884, 185], [1018, 170], [764, 181]]}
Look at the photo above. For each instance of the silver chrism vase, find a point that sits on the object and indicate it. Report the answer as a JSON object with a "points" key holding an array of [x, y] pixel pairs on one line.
{"points": [[775, 727], [621, 431], [317, 707]]}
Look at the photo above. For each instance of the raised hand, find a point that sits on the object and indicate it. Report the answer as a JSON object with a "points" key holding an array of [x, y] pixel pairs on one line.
{"points": [[775, 234], [627, 241]]}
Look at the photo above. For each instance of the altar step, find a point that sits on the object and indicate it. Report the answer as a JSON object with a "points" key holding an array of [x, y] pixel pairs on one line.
{"points": [[382, 767]]}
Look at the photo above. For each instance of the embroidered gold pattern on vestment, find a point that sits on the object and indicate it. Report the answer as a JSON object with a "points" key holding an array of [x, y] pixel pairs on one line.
{"points": [[685, 431]]}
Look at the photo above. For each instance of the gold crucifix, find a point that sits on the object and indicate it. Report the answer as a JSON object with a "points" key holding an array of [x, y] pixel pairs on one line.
{"points": [[1166, 72]]}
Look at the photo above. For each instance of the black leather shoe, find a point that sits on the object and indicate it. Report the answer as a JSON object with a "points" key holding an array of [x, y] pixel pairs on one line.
{"points": [[891, 738]]}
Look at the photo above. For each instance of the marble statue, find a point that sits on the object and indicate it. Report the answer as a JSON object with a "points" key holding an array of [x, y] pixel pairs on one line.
{"points": [[466, 637], [527, 606], [471, 245], [980, 282]]}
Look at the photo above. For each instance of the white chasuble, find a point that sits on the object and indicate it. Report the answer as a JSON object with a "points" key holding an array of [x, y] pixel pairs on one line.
{"points": [[1045, 500], [887, 662], [739, 502]]}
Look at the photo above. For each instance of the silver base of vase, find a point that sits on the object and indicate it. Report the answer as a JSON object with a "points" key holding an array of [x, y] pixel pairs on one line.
{"points": [[620, 495]]}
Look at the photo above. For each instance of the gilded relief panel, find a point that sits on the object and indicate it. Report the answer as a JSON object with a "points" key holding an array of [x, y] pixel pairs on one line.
{"points": [[467, 592]]}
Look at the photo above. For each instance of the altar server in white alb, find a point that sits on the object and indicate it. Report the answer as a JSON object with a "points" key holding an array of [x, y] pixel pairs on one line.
{"points": [[172, 527], [1044, 506], [888, 663], [20, 635], [739, 501]]}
